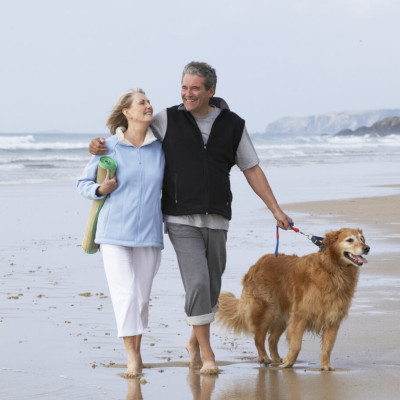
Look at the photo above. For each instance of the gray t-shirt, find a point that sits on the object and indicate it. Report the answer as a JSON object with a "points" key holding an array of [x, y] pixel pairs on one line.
{"points": [[246, 157]]}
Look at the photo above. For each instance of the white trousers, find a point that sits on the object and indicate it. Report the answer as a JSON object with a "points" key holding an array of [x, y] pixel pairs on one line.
{"points": [[130, 272]]}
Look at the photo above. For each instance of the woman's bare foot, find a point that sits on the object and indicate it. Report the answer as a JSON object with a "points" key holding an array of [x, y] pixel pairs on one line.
{"points": [[134, 367], [194, 355], [135, 364], [209, 368]]}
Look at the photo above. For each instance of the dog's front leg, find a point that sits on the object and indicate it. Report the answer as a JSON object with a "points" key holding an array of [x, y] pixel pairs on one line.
{"points": [[295, 332], [328, 341]]}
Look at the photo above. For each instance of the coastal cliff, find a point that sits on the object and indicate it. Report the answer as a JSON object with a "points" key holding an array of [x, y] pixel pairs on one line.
{"points": [[387, 126], [330, 123]]}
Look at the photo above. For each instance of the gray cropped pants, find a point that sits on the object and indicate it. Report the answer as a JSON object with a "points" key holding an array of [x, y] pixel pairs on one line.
{"points": [[201, 254]]}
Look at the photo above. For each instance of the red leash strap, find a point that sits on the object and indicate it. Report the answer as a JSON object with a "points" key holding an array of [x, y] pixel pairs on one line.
{"points": [[317, 240]]}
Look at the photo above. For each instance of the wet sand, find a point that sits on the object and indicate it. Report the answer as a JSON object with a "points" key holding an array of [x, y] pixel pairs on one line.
{"points": [[57, 329]]}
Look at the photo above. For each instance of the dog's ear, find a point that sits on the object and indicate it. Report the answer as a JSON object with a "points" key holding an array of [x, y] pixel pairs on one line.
{"points": [[330, 238]]}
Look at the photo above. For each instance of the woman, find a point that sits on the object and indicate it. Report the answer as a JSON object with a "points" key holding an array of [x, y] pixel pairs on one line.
{"points": [[129, 227]]}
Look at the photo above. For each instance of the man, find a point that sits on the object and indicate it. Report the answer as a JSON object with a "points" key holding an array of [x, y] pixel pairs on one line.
{"points": [[202, 140]]}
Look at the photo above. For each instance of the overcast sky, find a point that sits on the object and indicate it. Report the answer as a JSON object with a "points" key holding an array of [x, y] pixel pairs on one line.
{"points": [[64, 63]]}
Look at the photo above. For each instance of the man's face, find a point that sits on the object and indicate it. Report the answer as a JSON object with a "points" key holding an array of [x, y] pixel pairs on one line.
{"points": [[194, 94]]}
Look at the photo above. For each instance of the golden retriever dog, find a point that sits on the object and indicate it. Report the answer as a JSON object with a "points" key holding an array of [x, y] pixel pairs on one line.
{"points": [[297, 294]]}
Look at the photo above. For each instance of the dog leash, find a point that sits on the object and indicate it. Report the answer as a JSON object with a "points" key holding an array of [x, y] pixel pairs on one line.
{"points": [[317, 240]]}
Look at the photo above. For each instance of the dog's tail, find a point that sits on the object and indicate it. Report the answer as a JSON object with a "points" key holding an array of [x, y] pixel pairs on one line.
{"points": [[231, 315]]}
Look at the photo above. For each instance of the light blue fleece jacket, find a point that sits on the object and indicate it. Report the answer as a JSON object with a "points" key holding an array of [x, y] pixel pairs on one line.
{"points": [[131, 215]]}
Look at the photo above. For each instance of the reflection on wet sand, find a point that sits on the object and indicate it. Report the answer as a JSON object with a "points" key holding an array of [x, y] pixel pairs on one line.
{"points": [[267, 383], [134, 389], [250, 381], [201, 386]]}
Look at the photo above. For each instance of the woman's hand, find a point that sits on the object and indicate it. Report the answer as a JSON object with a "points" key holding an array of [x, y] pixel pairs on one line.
{"points": [[108, 185]]}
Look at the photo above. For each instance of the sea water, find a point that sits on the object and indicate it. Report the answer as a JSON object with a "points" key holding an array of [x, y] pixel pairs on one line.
{"points": [[33, 157], [297, 166]]}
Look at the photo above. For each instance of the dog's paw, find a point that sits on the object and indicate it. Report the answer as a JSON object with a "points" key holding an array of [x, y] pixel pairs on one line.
{"points": [[277, 360], [286, 363], [264, 360], [327, 367]]}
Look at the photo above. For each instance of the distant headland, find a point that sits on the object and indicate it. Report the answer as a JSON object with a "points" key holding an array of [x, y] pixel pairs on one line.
{"points": [[387, 126], [379, 122]]}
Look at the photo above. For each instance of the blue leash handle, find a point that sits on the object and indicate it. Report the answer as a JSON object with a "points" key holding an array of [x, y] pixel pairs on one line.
{"points": [[277, 241], [277, 237]]}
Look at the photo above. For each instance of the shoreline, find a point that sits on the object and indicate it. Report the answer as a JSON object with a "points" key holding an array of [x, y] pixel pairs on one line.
{"points": [[373, 210], [378, 217]]}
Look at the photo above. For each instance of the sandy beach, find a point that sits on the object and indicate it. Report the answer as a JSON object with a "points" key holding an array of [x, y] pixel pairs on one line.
{"points": [[57, 329]]}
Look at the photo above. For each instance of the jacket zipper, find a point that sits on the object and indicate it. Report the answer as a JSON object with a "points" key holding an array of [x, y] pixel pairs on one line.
{"points": [[205, 165], [139, 155], [176, 188]]}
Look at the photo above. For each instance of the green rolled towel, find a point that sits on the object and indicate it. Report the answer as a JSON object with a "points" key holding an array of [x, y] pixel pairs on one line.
{"points": [[88, 244]]}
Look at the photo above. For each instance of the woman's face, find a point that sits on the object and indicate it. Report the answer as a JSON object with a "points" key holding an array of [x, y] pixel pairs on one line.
{"points": [[140, 109]]}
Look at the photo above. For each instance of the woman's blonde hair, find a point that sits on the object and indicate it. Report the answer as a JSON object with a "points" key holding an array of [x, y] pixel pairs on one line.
{"points": [[117, 118]]}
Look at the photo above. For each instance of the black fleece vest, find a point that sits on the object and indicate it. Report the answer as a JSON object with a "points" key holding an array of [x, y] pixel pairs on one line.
{"points": [[196, 178]]}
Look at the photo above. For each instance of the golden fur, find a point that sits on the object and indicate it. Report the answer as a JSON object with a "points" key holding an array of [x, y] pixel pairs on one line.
{"points": [[310, 293]]}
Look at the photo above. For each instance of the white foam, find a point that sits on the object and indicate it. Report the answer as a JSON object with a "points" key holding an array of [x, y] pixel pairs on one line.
{"points": [[34, 142]]}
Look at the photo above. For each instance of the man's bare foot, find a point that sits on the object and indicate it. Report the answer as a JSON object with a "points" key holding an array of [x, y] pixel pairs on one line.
{"points": [[132, 373], [194, 355], [209, 368]]}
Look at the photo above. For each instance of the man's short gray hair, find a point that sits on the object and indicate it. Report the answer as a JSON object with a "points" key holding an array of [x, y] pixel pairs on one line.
{"points": [[202, 69]]}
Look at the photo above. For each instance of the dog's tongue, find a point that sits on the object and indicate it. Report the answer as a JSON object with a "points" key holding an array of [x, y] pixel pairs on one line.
{"points": [[360, 259]]}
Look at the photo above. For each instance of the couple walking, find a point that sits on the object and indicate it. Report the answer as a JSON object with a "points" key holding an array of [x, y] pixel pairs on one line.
{"points": [[184, 152]]}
